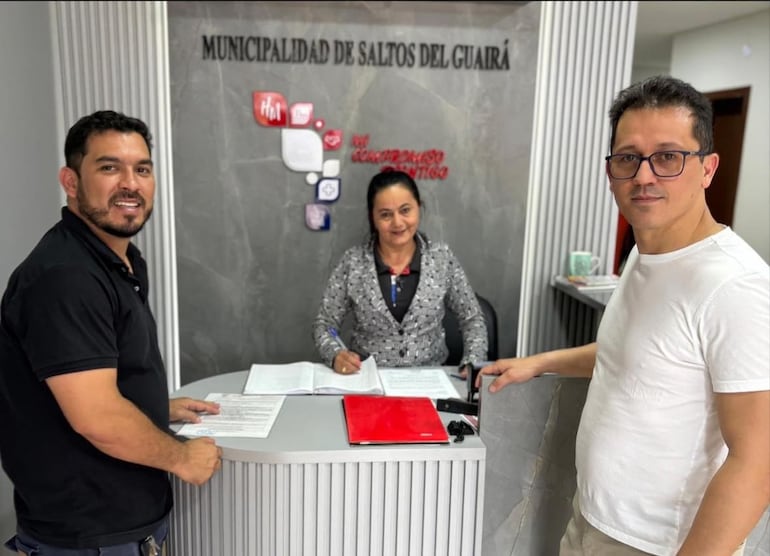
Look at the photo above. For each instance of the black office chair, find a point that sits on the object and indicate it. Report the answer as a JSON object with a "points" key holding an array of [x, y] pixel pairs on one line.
{"points": [[454, 339]]}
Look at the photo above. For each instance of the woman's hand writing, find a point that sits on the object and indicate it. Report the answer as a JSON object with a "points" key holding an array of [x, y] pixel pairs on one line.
{"points": [[346, 362]]}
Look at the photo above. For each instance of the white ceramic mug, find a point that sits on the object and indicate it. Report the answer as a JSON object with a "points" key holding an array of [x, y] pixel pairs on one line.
{"points": [[583, 263]]}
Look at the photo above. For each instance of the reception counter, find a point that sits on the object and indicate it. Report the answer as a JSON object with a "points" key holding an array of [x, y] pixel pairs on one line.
{"points": [[305, 490]]}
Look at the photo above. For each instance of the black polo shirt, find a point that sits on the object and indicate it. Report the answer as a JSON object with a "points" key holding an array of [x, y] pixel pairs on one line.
{"points": [[398, 289], [73, 306]]}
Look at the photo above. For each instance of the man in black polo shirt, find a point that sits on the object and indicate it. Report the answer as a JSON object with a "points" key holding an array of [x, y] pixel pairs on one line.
{"points": [[84, 408]]}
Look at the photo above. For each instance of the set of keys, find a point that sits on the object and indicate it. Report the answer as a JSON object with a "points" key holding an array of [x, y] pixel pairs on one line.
{"points": [[149, 547]]}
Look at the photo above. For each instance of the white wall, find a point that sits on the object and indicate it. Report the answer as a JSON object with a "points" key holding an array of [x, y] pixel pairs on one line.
{"points": [[640, 72], [730, 55], [29, 155]]}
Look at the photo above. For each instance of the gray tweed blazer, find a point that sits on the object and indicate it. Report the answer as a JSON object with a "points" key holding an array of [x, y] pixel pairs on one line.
{"points": [[419, 339]]}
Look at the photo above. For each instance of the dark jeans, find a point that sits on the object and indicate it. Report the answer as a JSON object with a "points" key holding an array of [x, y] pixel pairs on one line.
{"points": [[22, 542]]}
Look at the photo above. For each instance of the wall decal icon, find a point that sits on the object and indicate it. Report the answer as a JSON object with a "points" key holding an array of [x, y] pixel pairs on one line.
{"points": [[303, 143], [332, 139], [300, 114], [331, 168], [327, 190], [311, 178], [302, 150], [269, 108], [317, 217]]}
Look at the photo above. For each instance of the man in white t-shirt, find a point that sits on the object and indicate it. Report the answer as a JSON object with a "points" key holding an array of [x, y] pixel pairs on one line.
{"points": [[673, 447]]}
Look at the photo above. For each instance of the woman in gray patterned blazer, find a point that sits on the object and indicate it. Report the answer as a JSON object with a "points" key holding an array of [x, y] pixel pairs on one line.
{"points": [[395, 286]]}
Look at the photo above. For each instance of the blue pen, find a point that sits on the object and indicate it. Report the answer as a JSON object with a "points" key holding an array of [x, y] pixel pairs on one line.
{"points": [[337, 338], [393, 289]]}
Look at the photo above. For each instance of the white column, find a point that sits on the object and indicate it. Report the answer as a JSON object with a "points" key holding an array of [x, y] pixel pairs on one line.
{"points": [[114, 55], [584, 59]]}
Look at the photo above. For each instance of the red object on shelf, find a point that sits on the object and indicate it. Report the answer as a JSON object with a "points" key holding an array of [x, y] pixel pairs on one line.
{"points": [[624, 228]]}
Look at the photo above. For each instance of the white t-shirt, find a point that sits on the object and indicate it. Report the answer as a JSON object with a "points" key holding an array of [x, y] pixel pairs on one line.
{"points": [[679, 327]]}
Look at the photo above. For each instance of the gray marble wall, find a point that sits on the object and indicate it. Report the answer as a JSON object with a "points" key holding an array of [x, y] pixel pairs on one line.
{"points": [[250, 273], [29, 155], [529, 430]]}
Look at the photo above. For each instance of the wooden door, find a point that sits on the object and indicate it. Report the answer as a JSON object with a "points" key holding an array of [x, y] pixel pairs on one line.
{"points": [[730, 109]]}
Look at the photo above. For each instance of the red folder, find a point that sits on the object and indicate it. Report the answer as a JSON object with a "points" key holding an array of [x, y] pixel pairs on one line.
{"points": [[392, 420]]}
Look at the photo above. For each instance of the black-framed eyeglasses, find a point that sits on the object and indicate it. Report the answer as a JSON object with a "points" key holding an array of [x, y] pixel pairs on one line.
{"points": [[664, 164]]}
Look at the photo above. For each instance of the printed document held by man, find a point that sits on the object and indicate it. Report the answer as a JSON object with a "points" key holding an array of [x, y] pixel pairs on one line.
{"points": [[239, 416]]}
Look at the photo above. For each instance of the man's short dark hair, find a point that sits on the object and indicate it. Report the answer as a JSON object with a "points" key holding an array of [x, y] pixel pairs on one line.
{"points": [[99, 122], [662, 91]]}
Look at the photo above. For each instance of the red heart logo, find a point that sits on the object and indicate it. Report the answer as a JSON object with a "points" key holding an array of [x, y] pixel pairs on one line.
{"points": [[332, 139]]}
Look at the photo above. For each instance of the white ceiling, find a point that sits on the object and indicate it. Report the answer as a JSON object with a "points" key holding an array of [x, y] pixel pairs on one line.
{"points": [[658, 21]]}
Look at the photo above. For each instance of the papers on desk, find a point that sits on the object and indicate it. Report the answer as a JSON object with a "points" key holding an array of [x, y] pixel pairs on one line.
{"points": [[312, 378], [598, 282], [417, 382], [239, 415]]}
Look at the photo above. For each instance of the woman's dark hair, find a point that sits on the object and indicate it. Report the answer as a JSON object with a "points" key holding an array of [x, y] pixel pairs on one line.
{"points": [[99, 122], [381, 181]]}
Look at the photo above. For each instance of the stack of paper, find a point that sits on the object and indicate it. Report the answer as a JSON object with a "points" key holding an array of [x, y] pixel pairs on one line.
{"points": [[598, 282], [417, 382]]}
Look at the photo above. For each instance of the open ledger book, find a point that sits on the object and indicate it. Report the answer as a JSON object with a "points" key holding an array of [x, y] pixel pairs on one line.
{"points": [[305, 377]]}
